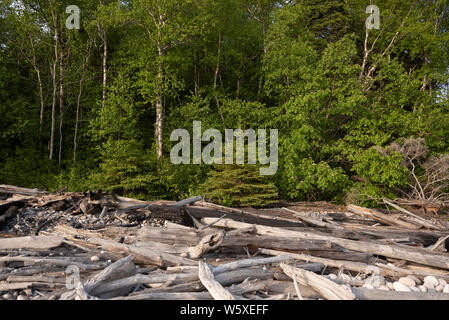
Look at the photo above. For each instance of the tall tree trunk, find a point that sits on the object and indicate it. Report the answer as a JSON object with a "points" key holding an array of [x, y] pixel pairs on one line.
{"points": [[159, 106], [103, 36], [53, 68], [196, 75], [217, 72], [39, 80], [105, 64], [61, 105], [78, 105]]}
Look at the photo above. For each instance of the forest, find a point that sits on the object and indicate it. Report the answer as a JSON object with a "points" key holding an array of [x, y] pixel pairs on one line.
{"points": [[362, 113]]}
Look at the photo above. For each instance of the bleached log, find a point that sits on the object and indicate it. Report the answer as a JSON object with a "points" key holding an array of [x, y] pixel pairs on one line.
{"points": [[208, 243], [215, 289], [144, 255], [51, 261], [239, 264], [421, 256], [31, 242], [391, 220], [325, 287], [119, 269]]}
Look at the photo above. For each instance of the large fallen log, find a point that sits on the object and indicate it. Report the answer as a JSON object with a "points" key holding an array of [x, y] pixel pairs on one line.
{"points": [[417, 255], [10, 190], [392, 220], [216, 290], [325, 287], [31, 242]]}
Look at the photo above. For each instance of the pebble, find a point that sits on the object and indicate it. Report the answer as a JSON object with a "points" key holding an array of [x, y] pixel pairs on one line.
{"points": [[415, 289], [409, 282], [28, 292], [22, 297], [52, 298], [439, 288], [442, 282], [390, 285], [384, 288], [401, 287], [446, 289], [422, 288], [332, 276], [432, 280], [7, 296], [429, 285], [94, 259], [417, 280]]}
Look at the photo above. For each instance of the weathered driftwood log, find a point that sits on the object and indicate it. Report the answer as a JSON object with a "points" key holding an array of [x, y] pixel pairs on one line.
{"points": [[145, 279], [216, 290], [179, 215], [383, 269], [417, 219], [417, 255], [391, 220], [6, 189], [143, 255], [38, 278], [15, 286], [325, 287], [120, 269], [174, 241], [207, 243], [239, 264], [51, 261], [31, 242], [188, 201], [156, 293]]}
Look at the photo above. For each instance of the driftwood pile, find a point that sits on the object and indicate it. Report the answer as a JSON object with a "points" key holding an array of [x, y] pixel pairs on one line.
{"points": [[99, 246]]}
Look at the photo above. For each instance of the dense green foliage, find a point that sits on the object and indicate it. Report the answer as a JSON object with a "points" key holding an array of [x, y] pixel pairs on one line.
{"points": [[339, 95]]}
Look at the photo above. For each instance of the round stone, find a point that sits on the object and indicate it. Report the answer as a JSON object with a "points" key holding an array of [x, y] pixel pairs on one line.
{"points": [[94, 259], [415, 289], [446, 289], [384, 288], [389, 285], [439, 288], [417, 280], [442, 282], [21, 297], [7, 296], [429, 286], [401, 287], [409, 282], [431, 280], [422, 288]]}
